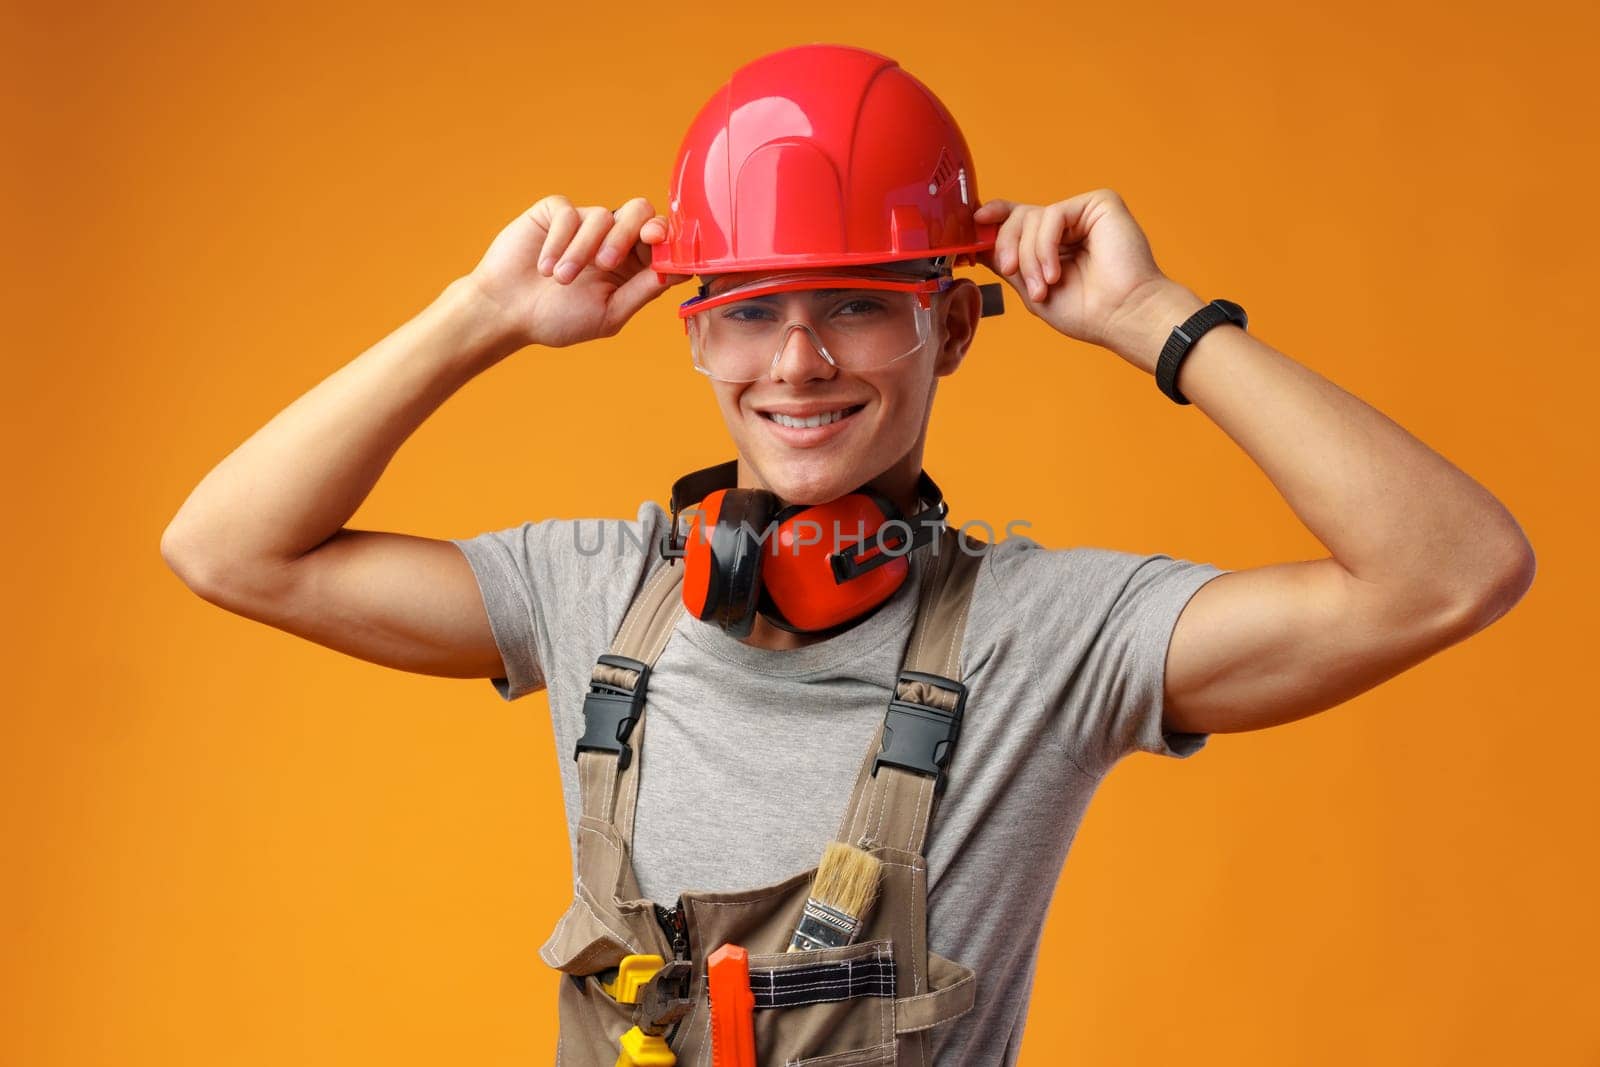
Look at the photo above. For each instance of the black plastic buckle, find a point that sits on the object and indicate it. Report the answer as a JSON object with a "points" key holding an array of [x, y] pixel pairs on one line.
{"points": [[609, 712], [920, 738]]}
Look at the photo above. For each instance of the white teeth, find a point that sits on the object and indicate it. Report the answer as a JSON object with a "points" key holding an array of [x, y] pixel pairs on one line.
{"points": [[812, 421]]}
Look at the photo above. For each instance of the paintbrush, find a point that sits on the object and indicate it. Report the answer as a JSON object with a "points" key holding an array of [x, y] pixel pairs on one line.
{"points": [[844, 891]]}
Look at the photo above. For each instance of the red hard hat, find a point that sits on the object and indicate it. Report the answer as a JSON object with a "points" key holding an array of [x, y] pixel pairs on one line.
{"points": [[820, 156]]}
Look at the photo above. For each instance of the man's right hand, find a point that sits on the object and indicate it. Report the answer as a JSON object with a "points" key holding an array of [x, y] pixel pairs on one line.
{"points": [[561, 275]]}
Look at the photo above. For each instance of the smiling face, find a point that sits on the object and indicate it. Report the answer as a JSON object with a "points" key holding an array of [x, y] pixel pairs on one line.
{"points": [[811, 431]]}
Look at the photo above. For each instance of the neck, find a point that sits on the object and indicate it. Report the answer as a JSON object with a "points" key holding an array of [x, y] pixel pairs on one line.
{"points": [[767, 636]]}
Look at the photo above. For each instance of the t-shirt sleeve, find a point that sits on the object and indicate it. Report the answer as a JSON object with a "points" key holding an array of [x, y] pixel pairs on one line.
{"points": [[552, 588], [1098, 624]]}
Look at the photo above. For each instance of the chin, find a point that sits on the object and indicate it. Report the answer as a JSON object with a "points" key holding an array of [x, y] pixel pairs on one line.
{"points": [[799, 478]]}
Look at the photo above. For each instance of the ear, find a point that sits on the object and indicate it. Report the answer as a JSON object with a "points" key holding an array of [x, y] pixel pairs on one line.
{"points": [[962, 306]]}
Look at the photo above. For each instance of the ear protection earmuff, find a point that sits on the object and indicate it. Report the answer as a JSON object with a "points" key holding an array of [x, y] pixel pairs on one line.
{"points": [[808, 568]]}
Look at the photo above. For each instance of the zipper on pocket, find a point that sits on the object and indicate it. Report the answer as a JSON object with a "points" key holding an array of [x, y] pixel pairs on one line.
{"points": [[676, 927]]}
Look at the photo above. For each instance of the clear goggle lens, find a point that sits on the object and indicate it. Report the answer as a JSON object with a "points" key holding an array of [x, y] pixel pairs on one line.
{"points": [[856, 322]]}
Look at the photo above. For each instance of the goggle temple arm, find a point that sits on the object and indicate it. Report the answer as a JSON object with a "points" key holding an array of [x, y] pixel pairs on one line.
{"points": [[994, 302]]}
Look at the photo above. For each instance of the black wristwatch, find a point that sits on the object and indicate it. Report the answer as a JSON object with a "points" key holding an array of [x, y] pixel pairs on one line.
{"points": [[1183, 338]]}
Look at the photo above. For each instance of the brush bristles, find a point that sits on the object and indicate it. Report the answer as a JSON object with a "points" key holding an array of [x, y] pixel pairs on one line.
{"points": [[847, 879]]}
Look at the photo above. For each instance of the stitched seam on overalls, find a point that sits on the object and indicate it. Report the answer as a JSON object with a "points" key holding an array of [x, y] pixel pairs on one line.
{"points": [[916, 974], [734, 903], [705, 1040], [885, 805], [592, 772], [918, 822], [858, 813], [919, 900], [925, 601], [578, 898], [625, 637], [859, 1056], [926, 996], [585, 886], [950, 666], [786, 960], [886, 1020], [880, 795], [577, 886], [608, 799], [924, 806], [666, 635], [627, 942], [561, 925]]}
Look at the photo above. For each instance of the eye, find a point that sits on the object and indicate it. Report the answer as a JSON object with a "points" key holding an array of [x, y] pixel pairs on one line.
{"points": [[747, 312], [861, 305]]}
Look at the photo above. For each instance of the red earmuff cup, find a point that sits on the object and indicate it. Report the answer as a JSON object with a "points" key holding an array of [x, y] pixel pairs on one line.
{"points": [[798, 577], [699, 574], [722, 558]]}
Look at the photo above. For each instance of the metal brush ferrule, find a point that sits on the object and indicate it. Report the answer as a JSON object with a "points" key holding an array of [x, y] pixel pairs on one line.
{"points": [[824, 927]]}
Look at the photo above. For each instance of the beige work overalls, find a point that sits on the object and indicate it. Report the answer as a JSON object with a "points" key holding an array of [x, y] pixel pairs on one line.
{"points": [[871, 1002]]}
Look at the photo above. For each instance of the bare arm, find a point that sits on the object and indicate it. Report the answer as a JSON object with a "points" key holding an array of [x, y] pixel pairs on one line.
{"points": [[263, 534], [1420, 555]]}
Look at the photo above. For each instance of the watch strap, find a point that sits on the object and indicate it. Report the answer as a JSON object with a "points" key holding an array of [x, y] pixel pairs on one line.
{"points": [[1182, 339]]}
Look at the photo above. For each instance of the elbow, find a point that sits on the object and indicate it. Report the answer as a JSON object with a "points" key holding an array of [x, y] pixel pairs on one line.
{"points": [[1497, 593], [182, 555], [229, 580], [1513, 581], [194, 560]]}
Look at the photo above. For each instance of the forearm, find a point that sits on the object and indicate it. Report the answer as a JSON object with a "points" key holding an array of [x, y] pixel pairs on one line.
{"points": [[1389, 509], [296, 481]]}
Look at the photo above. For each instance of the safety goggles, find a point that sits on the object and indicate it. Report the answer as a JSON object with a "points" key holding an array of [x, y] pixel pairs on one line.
{"points": [[857, 321]]}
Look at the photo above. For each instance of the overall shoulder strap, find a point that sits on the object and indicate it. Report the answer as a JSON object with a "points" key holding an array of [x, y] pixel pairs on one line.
{"points": [[608, 767], [899, 783]]}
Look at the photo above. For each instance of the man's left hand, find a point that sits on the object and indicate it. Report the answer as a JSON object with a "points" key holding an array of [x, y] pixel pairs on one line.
{"points": [[1083, 265]]}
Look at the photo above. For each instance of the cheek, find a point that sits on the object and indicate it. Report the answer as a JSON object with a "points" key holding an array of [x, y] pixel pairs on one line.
{"points": [[728, 398], [904, 398]]}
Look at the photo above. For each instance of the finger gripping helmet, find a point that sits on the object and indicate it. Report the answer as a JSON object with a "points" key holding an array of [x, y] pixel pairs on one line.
{"points": [[820, 156]]}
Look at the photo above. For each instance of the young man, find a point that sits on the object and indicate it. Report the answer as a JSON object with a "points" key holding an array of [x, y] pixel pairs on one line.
{"points": [[1072, 658]]}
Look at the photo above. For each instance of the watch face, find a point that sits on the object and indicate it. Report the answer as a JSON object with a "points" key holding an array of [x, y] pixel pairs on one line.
{"points": [[1234, 312]]}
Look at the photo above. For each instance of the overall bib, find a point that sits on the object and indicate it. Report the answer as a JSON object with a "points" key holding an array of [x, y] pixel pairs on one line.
{"points": [[871, 1002]]}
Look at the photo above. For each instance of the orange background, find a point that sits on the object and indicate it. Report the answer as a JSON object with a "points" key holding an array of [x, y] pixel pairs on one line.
{"points": [[224, 845]]}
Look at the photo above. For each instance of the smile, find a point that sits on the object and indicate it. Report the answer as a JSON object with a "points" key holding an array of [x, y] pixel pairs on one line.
{"points": [[811, 421]]}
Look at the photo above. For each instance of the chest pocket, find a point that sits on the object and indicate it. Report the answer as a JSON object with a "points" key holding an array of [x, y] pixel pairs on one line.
{"points": [[832, 1005]]}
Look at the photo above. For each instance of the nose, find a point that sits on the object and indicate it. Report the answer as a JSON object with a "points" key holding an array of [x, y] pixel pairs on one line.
{"points": [[799, 359]]}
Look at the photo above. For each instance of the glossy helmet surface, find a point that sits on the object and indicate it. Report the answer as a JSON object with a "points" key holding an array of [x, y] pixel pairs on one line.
{"points": [[820, 156]]}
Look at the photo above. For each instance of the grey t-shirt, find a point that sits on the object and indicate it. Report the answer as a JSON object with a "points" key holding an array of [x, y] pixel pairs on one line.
{"points": [[751, 754]]}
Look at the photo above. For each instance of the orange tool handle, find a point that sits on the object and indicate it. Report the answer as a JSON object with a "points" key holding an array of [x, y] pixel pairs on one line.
{"points": [[733, 1036]]}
